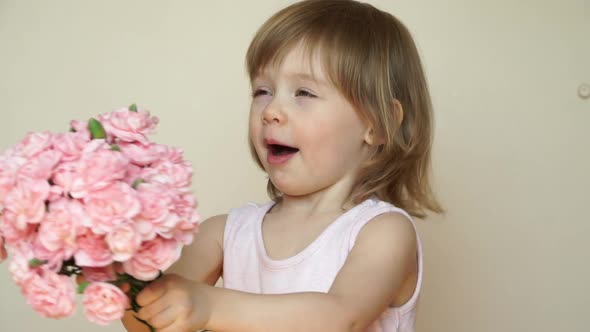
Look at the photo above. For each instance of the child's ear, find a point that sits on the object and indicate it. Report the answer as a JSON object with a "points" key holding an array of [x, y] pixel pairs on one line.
{"points": [[371, 137]]}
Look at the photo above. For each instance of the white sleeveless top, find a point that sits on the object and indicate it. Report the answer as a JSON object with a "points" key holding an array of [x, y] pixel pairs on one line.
{"points": [[247, 267]]}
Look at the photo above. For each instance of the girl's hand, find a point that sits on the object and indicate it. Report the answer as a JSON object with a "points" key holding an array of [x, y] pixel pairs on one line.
{"points": [[174, 304]]}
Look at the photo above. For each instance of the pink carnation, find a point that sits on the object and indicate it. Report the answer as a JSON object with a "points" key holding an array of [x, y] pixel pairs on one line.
{"points": [[93, 251], [124, 241], [53, 260], [106, 273], [143, 154], [80, 127], [176, 176], [185, 205], [186, 229], [26, 203], [98, 167], [64, 174], [33, 144], [55, 193], [14, 236], [59, 230], [71, 145], [133, 173], [110, 207], [19, 268], [9, 166], [41, 166], [155, 216], [129, 126], [153, 256], [50, 294], [174, 155], [104, 303], [156, 201]]}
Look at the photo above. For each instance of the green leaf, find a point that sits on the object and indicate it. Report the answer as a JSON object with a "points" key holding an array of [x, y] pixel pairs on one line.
{"points": [[137, 182], [115, 147], [82, 287], [96, 129], [122, 276], [35, 262], [72, 130], [133, 108]]}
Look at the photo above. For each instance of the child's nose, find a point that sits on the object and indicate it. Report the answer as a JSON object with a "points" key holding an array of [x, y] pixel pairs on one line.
{"points": [[273, 113]]}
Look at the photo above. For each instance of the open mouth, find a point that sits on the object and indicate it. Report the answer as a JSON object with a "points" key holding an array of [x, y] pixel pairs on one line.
{"points": [[281, 150]]}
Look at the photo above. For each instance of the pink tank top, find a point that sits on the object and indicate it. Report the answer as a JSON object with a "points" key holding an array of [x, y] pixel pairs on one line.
{"points": [[247, 267]]}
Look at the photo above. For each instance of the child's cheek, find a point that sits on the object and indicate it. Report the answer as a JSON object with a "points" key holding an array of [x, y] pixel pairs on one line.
{"points": [[306, 102]]}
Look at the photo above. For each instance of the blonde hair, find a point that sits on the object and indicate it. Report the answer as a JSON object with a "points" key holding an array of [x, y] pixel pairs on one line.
{"points": [[370, 56]]}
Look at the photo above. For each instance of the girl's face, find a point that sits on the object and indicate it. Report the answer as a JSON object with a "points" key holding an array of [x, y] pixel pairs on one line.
{"points": [[306, 134]]}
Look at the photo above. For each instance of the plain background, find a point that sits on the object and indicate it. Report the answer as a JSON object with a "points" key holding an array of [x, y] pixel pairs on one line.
{"points": [[511, 155]]}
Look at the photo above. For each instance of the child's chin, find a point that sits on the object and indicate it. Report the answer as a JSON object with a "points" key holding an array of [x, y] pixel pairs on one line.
{"points": [[292, 188]]}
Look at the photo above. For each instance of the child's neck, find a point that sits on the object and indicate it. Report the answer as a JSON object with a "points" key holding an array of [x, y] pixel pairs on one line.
{"points": [[325, 201], [334, 198]]}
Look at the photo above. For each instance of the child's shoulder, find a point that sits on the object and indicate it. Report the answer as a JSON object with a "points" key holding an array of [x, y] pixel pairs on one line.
{"points": [[213, 223], [378, 204], [207, 249], [215, 226], [248, 212], [212, 228], [375, 215]]}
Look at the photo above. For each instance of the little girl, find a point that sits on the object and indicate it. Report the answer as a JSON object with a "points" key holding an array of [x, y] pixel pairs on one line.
{"points": [[341, 122]]}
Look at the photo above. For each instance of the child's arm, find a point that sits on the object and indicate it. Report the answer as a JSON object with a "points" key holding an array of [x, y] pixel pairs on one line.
{"points": [[201, 261], [374, 272]]}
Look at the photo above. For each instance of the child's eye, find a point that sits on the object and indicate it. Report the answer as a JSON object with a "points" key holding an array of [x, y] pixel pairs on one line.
{"points": [[260, 92], [304, 93]]}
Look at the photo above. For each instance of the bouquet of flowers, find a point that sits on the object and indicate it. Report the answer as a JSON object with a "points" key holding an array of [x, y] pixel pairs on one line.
{"points": [[100, 202]]}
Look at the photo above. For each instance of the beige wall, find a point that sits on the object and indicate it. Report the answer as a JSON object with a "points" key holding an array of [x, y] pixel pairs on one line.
{"points": [[512, 144]]}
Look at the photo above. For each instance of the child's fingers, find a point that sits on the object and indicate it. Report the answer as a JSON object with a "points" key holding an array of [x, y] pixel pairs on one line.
{"points": [[176, 326], [151, 293], [151, 311], [164, 318]]}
